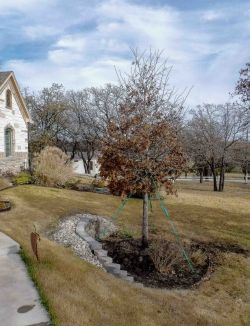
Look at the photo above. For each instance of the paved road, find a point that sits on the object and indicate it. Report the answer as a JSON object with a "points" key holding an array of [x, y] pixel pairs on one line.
{"points": [[19, 300]]}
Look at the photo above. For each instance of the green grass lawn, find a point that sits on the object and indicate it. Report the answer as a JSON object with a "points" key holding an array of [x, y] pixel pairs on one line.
{"points": [[78, 293]]}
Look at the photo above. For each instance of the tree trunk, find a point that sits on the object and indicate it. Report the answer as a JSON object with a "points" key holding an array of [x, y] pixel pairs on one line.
{"points": [[73, 152], [215, 182], [87, 168], [222, 175], [221, 181], [214, 176], [201, 175], [145, 221], [86, 164]]}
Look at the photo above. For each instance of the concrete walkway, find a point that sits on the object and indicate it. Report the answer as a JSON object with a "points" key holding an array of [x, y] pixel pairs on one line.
{"points": [[19, 300]]}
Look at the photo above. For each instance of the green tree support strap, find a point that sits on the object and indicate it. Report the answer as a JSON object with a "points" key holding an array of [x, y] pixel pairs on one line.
{"points": [[175, 232], [117, 212], [120, 208]]}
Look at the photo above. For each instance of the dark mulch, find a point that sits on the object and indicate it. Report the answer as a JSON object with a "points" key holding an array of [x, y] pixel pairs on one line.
{"points": [[140, 263]]}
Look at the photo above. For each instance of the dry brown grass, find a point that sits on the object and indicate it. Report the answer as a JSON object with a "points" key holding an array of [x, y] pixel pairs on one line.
{"points": [[4, 183], [81, 294]]}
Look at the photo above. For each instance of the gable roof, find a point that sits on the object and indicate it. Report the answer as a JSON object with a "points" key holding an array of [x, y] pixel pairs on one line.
{"points": [[5, 76]]}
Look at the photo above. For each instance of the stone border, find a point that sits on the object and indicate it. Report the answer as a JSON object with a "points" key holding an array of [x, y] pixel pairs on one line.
{"points": [[102, 255]]}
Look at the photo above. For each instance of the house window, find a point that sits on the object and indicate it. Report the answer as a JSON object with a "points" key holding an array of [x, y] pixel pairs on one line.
{"points": [[9, 141], [8, 99]]}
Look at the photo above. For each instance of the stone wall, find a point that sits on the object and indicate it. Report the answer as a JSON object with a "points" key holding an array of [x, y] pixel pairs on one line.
{"points": [[13, 118], [14, 163]]}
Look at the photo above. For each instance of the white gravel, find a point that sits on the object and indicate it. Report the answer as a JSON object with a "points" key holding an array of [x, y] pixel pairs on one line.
{"points": [[65, 235]]}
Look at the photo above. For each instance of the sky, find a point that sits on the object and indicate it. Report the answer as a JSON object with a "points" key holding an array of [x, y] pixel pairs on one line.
{"points": [[78, 42]]}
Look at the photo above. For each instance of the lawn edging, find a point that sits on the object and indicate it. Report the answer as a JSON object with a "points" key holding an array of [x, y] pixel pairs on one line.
{"points": [[102, 255]]}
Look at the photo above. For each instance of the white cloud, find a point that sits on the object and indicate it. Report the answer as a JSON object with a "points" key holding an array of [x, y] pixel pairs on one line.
{"points": [[40, 31], [63, 57], [74, 42], [212, 15], [207, 58], [71, 76]]}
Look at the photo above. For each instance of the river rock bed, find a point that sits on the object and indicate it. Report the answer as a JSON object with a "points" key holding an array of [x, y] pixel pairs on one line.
{"points": [[65, 235]]}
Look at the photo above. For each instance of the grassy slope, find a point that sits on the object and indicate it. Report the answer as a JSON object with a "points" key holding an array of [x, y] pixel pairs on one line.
{"points": [[3, 183], [80, 294]]}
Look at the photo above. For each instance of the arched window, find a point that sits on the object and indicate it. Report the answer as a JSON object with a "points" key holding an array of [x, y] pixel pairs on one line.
{"points": [[9, 141], [8, 99]]}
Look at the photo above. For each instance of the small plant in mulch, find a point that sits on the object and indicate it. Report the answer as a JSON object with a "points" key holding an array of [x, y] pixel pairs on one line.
{"points": [[5, 205], [125, 233]]}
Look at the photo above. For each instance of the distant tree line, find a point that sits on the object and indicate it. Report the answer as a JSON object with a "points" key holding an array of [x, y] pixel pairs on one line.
{"points": [[214, 137], [74, 121]]}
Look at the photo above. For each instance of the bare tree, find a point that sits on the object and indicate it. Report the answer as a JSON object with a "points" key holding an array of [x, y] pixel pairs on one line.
{"points": [[194, 150], [241, 156], [105, 102], [242, 90], [47, 110], [82, 129], [214, 129], [149, 75]]}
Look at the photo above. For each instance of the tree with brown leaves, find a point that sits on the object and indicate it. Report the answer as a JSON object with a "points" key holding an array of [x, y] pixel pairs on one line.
{"points": [[141, 150]]}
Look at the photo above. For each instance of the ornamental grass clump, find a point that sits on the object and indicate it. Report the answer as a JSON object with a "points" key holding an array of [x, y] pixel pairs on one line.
{"points": [[52, 167]]}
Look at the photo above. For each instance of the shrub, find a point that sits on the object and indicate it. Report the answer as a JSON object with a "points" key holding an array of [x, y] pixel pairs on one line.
{"points": [[199, 258], [23, 178], [165, 255], [52, 167], [71, 183], [98, 183]]}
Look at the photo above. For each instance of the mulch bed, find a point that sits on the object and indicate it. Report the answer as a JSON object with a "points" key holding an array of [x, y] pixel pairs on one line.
{"points": [[143, 266]]}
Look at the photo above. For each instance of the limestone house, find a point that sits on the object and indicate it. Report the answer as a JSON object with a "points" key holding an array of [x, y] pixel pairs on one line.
{"points": [[14, 119]]}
